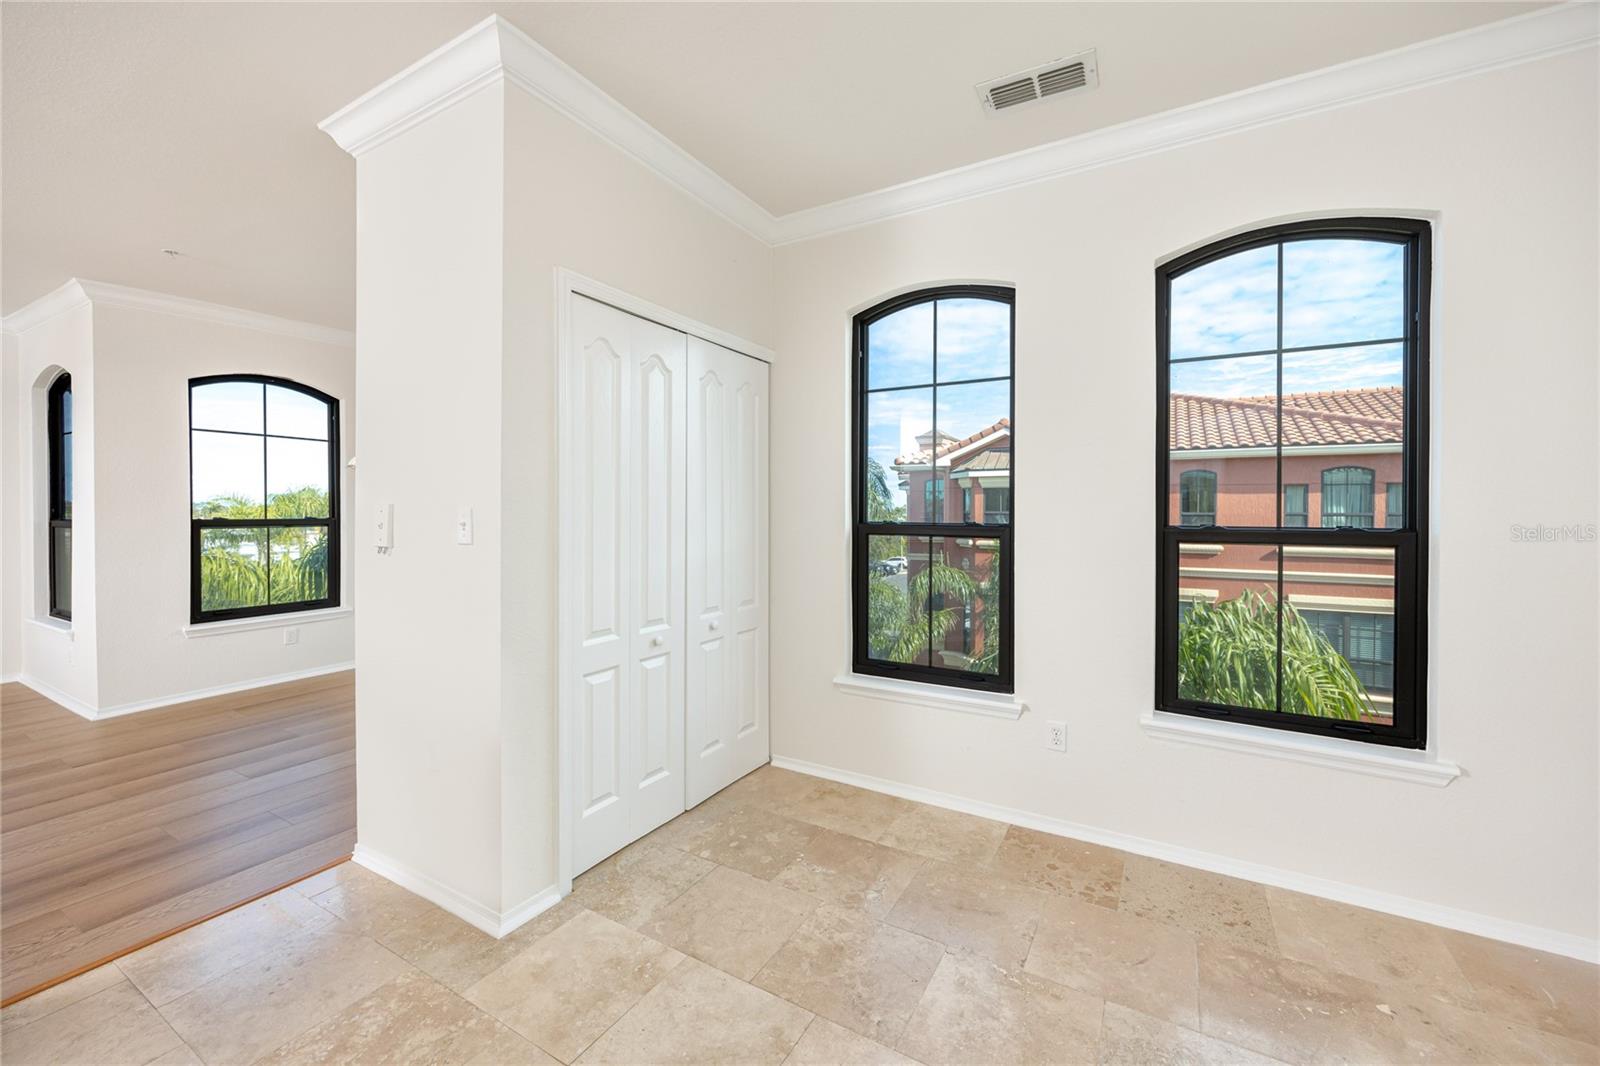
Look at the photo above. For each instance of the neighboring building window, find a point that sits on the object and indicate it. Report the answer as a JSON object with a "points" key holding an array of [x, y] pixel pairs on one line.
{"points": [[932, 397], [1394, 505], [1294, 506], [1289, 359], [1197, 491], [58, 423], [1347, 497], [996, 506], [264, 500]]}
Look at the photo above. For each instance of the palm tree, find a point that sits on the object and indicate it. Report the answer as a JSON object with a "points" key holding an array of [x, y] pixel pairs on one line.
{"points": [[1228, 654]]}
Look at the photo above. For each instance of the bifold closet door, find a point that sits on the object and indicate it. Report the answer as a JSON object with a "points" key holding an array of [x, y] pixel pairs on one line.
{"points": [[629, 391], [728, 732]]}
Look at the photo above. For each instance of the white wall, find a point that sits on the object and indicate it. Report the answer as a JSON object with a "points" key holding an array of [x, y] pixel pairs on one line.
{"points": [[143, 361], [463, 222], [1506, 163], [57, 657], [11, 586], [125, 647]]}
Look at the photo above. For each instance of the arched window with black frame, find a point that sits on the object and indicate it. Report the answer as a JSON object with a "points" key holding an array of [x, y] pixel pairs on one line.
{"points": [[932, 422], [1292, 360], [264, 497], [58, 421]]}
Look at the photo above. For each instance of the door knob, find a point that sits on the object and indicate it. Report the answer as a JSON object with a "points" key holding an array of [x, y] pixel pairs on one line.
{"points": [[655, 642], [712, 625]]}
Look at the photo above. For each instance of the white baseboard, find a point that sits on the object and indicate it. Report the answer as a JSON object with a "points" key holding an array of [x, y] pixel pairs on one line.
{"points": [[1532, 936], [94, 714], [462, 906], [55, 695], [6, 679]]}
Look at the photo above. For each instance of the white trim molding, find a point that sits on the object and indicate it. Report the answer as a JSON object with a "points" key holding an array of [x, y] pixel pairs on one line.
{"points": [[1397, 764], [495, 51], [497, 924], [268, 621], [78, 292], [1533, 936], [100, 714], [938, 697]]}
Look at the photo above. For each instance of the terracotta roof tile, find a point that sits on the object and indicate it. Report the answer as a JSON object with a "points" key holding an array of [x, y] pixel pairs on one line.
{"points": [[921, 458], [1345, 416]]}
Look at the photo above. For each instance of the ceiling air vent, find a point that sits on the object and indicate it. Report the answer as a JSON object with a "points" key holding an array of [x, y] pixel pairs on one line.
{"points": [[1073, 74]]}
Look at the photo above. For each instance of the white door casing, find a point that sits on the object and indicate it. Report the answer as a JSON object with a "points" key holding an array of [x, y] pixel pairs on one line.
{"points": [[728, 720], [628, 387]]}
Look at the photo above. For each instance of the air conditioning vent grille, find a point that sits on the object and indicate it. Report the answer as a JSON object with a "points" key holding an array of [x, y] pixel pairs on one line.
{"points": [[1075, 73]]}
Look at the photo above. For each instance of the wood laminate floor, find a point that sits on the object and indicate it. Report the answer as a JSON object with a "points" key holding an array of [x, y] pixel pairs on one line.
{"points": [[114, 833]]}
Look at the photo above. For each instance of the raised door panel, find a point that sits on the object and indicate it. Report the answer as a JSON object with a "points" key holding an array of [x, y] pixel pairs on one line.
{"points": [[727, 710], [657, 485]]}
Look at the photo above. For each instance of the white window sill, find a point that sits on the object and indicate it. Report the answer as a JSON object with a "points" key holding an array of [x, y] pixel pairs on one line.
{"points": [[941, 697], [54, 625], [1400, 765], [271, 621]]}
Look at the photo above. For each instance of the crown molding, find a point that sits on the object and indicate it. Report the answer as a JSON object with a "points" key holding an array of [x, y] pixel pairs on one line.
{"points": [[1537, 35], [78, 293], [68, 297], [495, 51]]}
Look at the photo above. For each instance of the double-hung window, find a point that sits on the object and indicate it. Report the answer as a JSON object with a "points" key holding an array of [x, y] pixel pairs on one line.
{"points": [[58, 423], [931, 587], [264, 497], [1293, 365]]}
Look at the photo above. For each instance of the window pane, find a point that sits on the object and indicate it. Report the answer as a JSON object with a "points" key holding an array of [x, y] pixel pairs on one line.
{"points": [[974, 339], [1295, 500], [61, 550], [994, 501], [1338, 633], [66, 476], [966, 604], [980, 416], [229, 405], [1229, 305], [900, 348], [228, 475], [297, 478], [66, 410], [233, 568], [1197, 498], [899, 437], [299, 564], [294, 414], [1223, 418], [1347, 497], [1394, 505], [1228, 625], [1339, 292], [897, 599]]}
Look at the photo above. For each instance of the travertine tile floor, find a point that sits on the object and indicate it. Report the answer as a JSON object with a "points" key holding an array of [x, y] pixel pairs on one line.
{"points": [[792, 920]]}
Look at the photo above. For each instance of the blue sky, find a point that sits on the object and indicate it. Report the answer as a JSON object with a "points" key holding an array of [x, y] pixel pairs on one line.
{"points": [[1334, 292], [974, 342]]}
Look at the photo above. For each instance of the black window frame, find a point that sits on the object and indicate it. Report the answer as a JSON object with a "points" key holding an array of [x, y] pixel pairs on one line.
{"points": [[59, 505], [1003, 680], [197, 526], [1408, 542]]}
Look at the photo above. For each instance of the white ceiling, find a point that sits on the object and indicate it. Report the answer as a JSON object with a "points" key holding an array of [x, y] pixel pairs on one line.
{"points": [[129, 128]]}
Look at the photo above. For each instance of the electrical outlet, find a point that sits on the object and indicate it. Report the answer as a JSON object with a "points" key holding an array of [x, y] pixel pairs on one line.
{"points": [[1055, 737], [291, 635]]}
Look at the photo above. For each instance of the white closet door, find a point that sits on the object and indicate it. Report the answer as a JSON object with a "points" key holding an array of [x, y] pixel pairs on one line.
{"points": [[728, 441], [629, 387]]}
